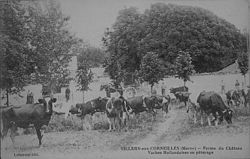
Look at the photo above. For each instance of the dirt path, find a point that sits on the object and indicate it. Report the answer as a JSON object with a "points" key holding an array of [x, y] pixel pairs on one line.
{"points": [[161, 129]]}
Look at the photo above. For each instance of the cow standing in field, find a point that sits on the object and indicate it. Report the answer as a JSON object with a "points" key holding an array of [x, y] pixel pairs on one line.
{"points": [[212, 103], [90, 107], [24, 116], [140, 104]]}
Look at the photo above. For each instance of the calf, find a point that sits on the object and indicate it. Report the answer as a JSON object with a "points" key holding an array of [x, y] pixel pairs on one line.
{"points": [[212, 103]]}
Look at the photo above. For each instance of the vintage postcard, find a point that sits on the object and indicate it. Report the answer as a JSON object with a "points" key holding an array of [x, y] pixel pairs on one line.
{"points": [[135, 79]]}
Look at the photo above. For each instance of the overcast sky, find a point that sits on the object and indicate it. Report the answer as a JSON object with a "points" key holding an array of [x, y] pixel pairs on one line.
{"points": [[90, 18]]}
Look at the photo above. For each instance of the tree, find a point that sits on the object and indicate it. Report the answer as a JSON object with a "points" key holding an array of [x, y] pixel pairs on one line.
{"points": [[166, 29], [184, 67], [15, 66], [94, 56], [36, 45], [83, 77], [122, 42], [151, 70], [51, 44], [243, 64]]}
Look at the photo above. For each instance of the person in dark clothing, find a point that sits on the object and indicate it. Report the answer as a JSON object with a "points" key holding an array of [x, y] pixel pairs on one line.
{"points": [[67, 94], [237, 85], [30, 98]]}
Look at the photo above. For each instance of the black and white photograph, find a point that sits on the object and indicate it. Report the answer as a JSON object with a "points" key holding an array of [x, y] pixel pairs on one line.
{"points": [[132, 79]]}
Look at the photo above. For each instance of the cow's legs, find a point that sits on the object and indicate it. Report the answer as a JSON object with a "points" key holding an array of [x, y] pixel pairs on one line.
{"points": [[110, 124], [187, 107], [13, 134], [39, 135], [113, 123], [202, 122], [195, 117], [208, 120], [4, 132]]}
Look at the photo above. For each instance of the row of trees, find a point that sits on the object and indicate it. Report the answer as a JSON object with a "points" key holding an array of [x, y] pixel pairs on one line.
{"points": [[36, 47], [174, 34]]}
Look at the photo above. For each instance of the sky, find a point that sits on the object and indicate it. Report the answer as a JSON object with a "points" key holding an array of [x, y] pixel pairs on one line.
{"points": [[90, 18]]}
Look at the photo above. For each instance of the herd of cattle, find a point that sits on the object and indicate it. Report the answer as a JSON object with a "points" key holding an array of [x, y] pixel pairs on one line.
{"points": [[119, 109]]}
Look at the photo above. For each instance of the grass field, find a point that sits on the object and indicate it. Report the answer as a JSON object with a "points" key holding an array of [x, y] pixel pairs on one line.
{"points": [[67, 137]]}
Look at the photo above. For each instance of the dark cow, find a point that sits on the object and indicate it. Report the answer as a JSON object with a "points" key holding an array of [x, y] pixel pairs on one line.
{"points": [[141, 103], [90, 107], [181, 94], [24, 116], [212, 103], [115, 109]]}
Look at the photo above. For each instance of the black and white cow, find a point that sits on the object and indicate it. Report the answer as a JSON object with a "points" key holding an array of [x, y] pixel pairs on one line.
{"points": [[212, 103]]}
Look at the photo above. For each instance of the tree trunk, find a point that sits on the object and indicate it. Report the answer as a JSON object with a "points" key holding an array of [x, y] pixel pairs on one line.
{"points": [[151, 88], [184, 85], [83, 97], [245, 82], [7, 96]]}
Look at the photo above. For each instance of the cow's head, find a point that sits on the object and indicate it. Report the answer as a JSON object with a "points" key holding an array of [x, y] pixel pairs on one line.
{"points": [[228, 114], [48, 103]]}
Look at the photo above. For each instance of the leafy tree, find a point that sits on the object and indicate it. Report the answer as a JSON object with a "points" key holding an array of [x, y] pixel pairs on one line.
{"points": [[243, 64], [166, 29], [15, 67], [51, 44], [122, 42], [184, 67], [151, 70], [94, 56], [83, 77], [36, 45]]}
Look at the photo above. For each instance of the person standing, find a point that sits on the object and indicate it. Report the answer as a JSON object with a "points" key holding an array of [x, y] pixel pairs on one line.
{"points": [[67, 94], [163, 89], [30, 97], [237, 85], [222, 87]]}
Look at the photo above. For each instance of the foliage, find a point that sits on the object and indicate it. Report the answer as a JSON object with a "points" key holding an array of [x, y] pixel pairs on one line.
{"points": [[243, 63], [36, 45], [184, 67], [122, 43], [52, 45], [83, 76], [14, 48], [94, 56], [166, 29], [115, 72], [151, 70]]}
